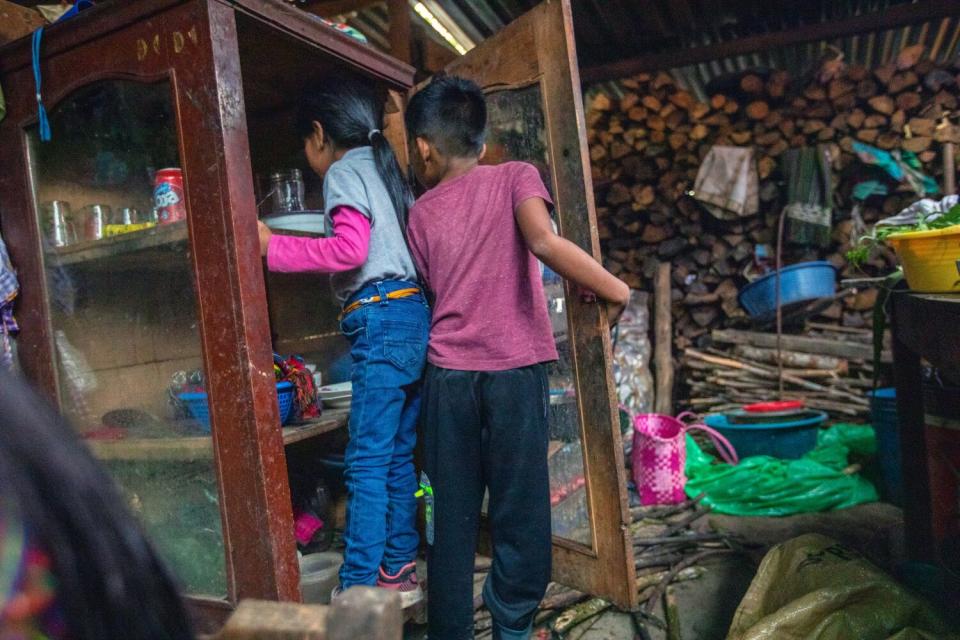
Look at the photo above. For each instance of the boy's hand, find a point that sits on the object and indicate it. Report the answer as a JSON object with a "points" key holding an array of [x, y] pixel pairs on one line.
{"points": [[265, 235]]}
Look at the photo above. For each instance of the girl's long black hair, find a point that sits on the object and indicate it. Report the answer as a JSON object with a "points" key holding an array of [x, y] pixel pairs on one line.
{"points": [[110, 582], [351, 113]]}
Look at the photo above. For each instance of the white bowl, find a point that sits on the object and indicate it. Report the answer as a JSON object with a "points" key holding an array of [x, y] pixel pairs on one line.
{"points": [[312, 223], [338, 403], [336, 389]]}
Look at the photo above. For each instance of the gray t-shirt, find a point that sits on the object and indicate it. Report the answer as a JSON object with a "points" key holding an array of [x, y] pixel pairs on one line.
{"points": [[353, 181]]}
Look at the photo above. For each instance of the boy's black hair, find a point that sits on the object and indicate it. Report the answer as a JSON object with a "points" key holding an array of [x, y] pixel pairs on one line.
{"points": [[351, 113], [451, 113]]}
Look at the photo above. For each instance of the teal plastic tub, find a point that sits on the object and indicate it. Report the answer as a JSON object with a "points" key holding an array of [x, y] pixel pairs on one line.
{"points": [[883, 415], [789, 439]]}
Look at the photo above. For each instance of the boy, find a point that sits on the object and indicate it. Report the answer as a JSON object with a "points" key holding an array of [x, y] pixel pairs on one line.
{"points": [[476, 236]]}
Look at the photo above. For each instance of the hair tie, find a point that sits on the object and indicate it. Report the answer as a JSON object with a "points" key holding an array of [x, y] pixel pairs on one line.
{"points": [[372, 133]]}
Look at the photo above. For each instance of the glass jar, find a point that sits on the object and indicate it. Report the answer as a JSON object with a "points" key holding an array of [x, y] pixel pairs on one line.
{"points": [[286, 191]]}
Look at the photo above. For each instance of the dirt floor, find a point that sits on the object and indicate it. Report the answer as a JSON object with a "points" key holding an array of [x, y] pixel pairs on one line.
{"points": [[706, 605]]}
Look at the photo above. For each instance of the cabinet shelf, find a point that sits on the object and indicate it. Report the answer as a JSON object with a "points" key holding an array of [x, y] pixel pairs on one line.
{"points": [[134, 247], [189, 449]]}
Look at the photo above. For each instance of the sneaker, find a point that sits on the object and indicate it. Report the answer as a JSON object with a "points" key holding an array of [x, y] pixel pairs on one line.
{"points": [[404, 582]]}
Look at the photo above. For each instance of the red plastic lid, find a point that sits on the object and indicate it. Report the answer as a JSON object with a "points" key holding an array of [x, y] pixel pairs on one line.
{"points": [[767, 407]]}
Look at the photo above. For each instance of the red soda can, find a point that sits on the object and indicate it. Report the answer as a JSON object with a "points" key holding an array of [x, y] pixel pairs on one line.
{"points": [[168, 196]]}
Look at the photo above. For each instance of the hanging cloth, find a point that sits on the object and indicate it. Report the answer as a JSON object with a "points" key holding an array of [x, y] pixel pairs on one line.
{"points": [[902, 167], [809, 209], [727, 183], [9, 288]]}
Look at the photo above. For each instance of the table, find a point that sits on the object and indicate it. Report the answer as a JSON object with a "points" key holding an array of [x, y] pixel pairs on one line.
{"points": [[925, 327]]}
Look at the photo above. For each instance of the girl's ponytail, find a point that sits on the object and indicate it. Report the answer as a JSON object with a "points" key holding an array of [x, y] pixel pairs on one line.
{"points": [[389, 169]]}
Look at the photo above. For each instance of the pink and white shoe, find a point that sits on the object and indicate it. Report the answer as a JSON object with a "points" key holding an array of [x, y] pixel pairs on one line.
{"points": [[404, 582]]}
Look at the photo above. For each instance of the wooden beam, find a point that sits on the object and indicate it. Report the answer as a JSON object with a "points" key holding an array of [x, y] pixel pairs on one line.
{"points": [[893, 17], [803, 344], [663, 343], [401, 36]]}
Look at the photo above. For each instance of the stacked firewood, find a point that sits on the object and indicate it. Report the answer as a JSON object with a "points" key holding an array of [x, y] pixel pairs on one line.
{"points": [[647, 146], [829, 368]]}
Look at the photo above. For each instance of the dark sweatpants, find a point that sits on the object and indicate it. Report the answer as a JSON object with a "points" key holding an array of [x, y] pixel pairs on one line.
{"points": [[486, 430]]}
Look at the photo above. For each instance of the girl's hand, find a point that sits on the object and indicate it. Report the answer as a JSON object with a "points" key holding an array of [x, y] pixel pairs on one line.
{"points": [[265, 235]]}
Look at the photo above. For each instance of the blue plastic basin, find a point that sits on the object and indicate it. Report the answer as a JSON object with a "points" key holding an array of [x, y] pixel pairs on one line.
{"points": [[791, 439], [798, 283]]}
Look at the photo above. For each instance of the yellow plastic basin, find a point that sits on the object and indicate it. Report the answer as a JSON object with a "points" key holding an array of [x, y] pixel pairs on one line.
{"points": [[930, 259]]}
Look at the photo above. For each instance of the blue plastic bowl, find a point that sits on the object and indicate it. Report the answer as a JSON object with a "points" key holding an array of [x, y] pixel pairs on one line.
{"points": [[196, 403], [789, 440], [798, 283]]}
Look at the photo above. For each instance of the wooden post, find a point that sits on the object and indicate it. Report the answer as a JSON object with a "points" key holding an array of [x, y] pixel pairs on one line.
{"points": [[400, 30], [948, 135], [663, 345]]}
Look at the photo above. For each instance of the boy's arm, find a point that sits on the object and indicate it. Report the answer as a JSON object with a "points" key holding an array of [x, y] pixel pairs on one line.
{"points": [[566, 258]]}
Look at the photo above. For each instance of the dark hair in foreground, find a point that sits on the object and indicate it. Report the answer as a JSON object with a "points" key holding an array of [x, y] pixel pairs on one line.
{"points": [[350, 109], [110, 582], [451, 113]]}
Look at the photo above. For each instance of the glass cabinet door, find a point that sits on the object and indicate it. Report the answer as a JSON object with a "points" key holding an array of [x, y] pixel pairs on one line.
{"points": [[528, 72], [122, 304]]}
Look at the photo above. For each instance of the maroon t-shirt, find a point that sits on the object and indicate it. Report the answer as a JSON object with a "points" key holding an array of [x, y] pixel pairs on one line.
{"points": [[490, 312]]}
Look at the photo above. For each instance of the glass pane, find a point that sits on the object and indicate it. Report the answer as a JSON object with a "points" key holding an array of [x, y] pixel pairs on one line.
{"points": [[124, 312], [517, 131]]}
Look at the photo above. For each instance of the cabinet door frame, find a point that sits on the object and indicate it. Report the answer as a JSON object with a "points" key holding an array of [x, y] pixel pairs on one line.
{"points": [[200, 66], [538, 49]]}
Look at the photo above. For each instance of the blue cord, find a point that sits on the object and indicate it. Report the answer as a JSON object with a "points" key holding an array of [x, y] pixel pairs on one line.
{"points": [[41, 112]]}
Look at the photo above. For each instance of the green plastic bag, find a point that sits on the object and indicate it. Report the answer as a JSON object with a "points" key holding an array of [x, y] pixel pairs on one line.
{"points": [[766, 486], [814, 588]]}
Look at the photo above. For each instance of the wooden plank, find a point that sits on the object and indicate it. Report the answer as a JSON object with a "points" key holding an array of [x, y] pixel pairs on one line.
{"points": [[191, 448], [400, 30], [803, 344], [889, 18], [187, 449], [331, 420], [108, 248], [663, 341]]}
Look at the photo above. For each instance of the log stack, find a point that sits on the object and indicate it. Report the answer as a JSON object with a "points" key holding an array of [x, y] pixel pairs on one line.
{"points": [[646, 148], [830, 368]]}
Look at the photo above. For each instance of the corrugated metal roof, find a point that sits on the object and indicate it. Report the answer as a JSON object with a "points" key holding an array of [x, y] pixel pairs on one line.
{"points": [[607, 30]]}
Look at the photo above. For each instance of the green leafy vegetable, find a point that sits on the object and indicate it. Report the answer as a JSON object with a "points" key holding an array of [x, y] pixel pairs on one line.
{"points": [[867, 245]]}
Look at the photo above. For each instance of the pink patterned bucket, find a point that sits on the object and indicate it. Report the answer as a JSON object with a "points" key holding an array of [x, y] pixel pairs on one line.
{"points": [[660, 454]]}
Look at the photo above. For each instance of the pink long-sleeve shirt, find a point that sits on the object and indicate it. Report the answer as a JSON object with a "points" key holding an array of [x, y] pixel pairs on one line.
{"points": [[345, 250]]}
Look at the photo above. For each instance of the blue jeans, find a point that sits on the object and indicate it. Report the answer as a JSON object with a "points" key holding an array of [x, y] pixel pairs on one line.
{"points": [[389, 350]]}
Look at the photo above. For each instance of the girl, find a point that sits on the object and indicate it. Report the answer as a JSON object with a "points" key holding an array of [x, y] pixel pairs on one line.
{"points": [[385, 317], [73, 561]]}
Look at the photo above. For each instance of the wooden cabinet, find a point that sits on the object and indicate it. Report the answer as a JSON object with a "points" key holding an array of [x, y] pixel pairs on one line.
{"points": [[209, 87]]}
